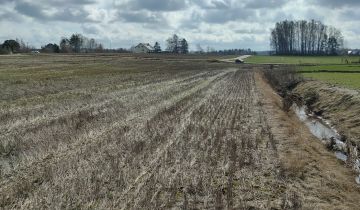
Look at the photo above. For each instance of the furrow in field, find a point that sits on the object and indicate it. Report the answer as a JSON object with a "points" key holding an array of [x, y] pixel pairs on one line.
{"points": [[99, 98], [177, 118], [218, 154], [34, 137], [91, 139]]}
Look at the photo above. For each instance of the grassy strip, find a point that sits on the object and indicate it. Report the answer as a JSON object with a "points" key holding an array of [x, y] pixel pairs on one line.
{"points": [[330, 68], [302, 59], [345, 80]]}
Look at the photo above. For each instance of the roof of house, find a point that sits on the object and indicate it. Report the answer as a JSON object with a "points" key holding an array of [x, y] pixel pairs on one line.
{"points": [[147, 45]]}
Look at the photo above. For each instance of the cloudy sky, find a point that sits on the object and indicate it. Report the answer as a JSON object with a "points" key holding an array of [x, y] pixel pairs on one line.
{"points": [[215, 23]]}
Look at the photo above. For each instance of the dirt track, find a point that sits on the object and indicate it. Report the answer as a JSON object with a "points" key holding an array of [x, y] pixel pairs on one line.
{"points": [[214, 137], [232, 60]]}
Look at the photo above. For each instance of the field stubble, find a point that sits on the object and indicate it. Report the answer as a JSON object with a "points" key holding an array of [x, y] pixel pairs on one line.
{"points": [[142, 133]]}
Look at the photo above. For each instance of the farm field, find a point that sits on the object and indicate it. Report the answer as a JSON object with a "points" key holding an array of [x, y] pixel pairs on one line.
{"points": [[347, 80], [330, 69], [347, 76], [301, 60], [156, 132]]}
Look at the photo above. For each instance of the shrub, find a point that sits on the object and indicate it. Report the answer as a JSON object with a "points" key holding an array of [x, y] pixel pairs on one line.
{"points": [[4, 51], [283, 79]]}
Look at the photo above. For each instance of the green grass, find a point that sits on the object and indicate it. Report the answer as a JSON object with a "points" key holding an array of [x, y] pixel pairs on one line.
{"points": [[330, 68], [348, 80], [301, 59]]}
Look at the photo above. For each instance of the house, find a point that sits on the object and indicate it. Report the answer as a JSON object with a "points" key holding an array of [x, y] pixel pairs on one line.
{"points": [[143, 48]]}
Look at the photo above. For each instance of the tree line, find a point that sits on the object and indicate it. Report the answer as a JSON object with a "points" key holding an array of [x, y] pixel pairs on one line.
{"points": [[175, 44], [14, 46], [78, 43], [305, 38], [212, 51]]}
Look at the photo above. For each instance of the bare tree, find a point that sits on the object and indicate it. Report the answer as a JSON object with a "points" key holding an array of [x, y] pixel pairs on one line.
{"points": [[173, 44], [79, 43], [157, 47], [76, 41], [65, 45], [184, 46], [305, 38]]}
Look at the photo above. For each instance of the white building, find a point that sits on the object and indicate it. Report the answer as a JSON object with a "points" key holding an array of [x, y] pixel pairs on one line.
{"points": [[143, 48]]}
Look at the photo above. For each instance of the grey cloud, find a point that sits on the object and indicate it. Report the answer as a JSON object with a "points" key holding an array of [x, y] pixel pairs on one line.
{"points": [[9, 15], [68, 2], [89, 29], [220, 4], [196, 18], [193, 22], [250, 31], [71, 15], [213, 4], [223, 16], [338, 3], [349, 15], [276, 16], [258, 4], [157, 5], [142, 17], [64, 3], [30, 10], [37, 11], [313, 14]]}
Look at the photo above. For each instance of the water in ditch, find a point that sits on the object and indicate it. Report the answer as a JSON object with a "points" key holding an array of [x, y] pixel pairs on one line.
{"points": [[326, 133]]}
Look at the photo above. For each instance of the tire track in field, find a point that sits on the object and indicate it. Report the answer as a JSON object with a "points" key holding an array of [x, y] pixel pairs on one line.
{"points": [[219, 122], [185, 119]]}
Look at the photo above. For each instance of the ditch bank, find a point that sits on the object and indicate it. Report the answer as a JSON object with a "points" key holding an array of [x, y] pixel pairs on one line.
{"points": [[332, 114]]}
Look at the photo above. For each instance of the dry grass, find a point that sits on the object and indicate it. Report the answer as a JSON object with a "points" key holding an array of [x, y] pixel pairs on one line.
{"points": [[293, 166], [137, 132], [314, 178]]}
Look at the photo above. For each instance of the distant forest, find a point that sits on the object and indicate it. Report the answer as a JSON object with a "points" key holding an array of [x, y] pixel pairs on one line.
{"points": [[78, 43], [305, 38]]}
